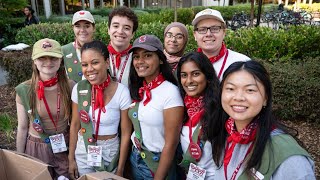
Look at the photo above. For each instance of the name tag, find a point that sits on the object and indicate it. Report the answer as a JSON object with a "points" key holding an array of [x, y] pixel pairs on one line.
{"points": [[94, 155], [58, 143], [196, 172]]}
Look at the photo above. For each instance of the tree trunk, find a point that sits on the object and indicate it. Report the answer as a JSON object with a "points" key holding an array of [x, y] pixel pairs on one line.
{"points": [[47, 8], [251, 13], [91, 4], [62, 7]]}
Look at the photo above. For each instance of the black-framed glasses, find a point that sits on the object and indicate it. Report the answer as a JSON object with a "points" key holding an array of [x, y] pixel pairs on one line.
{"points": [[204, 30], [177, 36]]}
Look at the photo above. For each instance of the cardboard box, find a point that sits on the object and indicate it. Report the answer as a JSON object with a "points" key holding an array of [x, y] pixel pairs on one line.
{"points": [[14, 165], [101, 176]]}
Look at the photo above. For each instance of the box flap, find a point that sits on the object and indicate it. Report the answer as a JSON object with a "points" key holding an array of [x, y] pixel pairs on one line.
{"points": [[101, 176], [19, 166], [2, 169]]}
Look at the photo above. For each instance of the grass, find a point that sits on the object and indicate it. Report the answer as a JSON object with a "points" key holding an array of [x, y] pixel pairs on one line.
{"points": [[7, 126]]}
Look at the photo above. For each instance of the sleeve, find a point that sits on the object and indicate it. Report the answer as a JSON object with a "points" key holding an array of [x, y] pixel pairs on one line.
{"points": [[74, 94], [125, 98], [296, 167], [174, 98], [18, 99]]}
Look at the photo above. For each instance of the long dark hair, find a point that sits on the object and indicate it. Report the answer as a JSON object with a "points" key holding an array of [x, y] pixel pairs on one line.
{"points": [[211, 93], [135, 82], [266, 120]]}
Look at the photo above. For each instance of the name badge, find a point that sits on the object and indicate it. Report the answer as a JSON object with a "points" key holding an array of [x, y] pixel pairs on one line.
{"points": [[196, 172], [94, 155], [58, 143]]}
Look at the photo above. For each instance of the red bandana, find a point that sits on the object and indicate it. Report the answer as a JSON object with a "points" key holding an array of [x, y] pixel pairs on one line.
{"points": [[99, 100], [148, 87], [246, 136], [195, 109], [48, 83], [112, 51], [222, 52]]}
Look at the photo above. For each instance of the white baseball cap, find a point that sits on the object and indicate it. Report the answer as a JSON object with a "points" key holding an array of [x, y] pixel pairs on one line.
{"points": [[82, 15], [207, 14]]}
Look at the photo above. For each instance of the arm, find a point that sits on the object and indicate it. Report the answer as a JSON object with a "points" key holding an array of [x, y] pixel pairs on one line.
{"points": [[23, 127], [173, 118], [74, 128], [126, 130]]}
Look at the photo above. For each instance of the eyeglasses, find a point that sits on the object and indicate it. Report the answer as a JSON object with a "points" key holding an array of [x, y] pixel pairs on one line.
{"points": [[177, 36], [204, 30]]}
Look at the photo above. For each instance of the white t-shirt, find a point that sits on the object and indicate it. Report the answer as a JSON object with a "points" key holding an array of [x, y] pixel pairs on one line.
{"points": [[206, 162], [232, 57], [109, 121], [165, 96], [123, 70]]}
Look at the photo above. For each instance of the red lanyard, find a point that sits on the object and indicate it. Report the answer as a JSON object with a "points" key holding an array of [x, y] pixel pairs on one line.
{"points": [[238, 167], [115, 69], [58, 109], [223, 64], [97, 124]]}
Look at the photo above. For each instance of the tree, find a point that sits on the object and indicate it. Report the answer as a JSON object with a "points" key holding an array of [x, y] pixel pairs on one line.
{"points": [[8, 7]]}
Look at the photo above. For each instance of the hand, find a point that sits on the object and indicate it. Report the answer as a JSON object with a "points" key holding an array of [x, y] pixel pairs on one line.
{"points": [[73, 169], [119, 173]]}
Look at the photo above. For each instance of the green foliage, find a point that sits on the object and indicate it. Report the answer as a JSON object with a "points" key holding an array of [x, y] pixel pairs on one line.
{"points": [[8, 7], [296, 89], [266, 43], [7, 126]]}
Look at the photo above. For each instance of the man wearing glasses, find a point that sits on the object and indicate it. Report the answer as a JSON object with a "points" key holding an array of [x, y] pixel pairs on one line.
{"points": [[209, 32]]}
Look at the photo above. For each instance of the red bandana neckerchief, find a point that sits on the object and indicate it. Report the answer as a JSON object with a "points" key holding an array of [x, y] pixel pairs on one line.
{"points": [[246, 136], [222, 52], [194, 107], [48, 83], [99, 100], [148, 87], [118, 54]]}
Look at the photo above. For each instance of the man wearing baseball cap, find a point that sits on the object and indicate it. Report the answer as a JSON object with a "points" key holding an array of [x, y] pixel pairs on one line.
{"points": [[209, 32], [83, 25]]}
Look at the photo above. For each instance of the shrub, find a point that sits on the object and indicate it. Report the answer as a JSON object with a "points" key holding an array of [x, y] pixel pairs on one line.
{"points": [[296, 89]]}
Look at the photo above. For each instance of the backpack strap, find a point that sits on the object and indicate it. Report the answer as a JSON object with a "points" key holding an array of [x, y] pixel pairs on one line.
{"points": [[84, 102], [72, 63], [23, 90]]}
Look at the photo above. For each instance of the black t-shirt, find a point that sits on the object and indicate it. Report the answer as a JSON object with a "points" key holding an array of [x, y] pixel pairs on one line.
{"points": [[33, 20]]}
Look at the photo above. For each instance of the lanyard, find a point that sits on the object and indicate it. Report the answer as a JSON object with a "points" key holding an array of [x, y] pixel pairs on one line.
{"points": [[97, 124], [58, 109], [238, 167], [115, 69], [223, 64]]}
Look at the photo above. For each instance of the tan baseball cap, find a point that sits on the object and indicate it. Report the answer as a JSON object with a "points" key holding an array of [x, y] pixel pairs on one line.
{"points": [[82, 15], [46, 47], [207, 14]]}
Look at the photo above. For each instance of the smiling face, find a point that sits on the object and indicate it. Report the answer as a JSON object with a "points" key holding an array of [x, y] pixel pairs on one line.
{"points": [[192, 78], [243, 97], [174, 43], [94, 66], [146, 64], [120, 32], [47, 66], [83, 31], [210, 43]]}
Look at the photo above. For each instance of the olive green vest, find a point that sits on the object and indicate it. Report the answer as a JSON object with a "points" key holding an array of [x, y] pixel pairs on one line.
{"points": [[84, 98], [276, 151], [71, 62]]}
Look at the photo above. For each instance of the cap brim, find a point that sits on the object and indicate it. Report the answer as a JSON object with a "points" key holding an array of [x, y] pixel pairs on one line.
{"points": [[143, 46], [51, 54], [82, 19], [196, 20]]}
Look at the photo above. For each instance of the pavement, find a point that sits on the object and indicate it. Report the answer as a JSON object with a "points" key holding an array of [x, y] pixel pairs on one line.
{"points": [[3, 75]]}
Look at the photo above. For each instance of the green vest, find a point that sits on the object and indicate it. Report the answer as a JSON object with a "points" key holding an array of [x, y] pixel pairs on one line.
{"points": [[148, 157], [84, 98], [23, 90], [276, 151], [71, 62]]}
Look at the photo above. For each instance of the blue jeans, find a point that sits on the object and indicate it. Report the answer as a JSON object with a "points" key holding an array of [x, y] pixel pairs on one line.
{"points": [[140, 170]]}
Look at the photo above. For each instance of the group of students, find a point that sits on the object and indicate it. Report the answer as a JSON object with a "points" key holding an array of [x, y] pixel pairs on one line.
{"points": [[205, 114]]}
